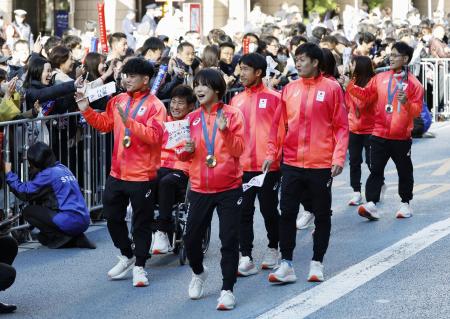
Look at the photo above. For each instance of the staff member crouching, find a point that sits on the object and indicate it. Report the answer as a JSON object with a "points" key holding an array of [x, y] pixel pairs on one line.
{"points": [[137, 118], [258, 105], [314, 150], [173, 174], [217, 142], [57, 206]]}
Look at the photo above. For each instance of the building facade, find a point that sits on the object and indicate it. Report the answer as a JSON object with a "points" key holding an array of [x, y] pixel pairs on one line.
{"points": [[50, 16]]}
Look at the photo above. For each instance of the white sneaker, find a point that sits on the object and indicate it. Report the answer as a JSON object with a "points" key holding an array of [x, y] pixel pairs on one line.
{"points": [[315, 271], [197, 284], [120, 270], [161, 244], [139, 277], [356, 199], [383, 192], [369, 211], [404, 211], [226, 301], [270, 259], [305, 220], [284, 274], [246, 267]]}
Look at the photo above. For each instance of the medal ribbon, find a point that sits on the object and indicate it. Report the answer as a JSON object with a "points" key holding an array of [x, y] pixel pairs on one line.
{"points": [[390, 93], [210, 144], [136, 110]]}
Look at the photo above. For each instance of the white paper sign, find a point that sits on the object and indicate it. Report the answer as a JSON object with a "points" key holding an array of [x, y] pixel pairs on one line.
{"points": [[257, 181], [178, 132], [346, 57], [94, 94]]}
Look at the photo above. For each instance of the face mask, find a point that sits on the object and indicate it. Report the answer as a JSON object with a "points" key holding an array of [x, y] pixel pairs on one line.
{"points": [[1, 23], [252, 47], [19, 20], [78, 54]]}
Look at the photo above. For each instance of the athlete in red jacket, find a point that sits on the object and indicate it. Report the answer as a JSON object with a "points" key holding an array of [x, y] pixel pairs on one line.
{"points": [[314, 150], [399, 97], [361, 119], [217, 142], [136, 117], [258, 105], [173, 174]]}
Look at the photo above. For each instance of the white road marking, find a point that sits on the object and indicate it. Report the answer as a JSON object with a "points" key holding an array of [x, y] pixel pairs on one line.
{"points": [[432, 163], [435, 192], [443, 169], [357, 275]]}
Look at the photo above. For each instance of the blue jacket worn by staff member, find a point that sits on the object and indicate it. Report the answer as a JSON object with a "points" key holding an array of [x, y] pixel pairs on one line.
{"points": [[55, 188]]}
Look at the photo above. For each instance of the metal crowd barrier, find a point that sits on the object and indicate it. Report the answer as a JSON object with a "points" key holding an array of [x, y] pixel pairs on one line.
{"points": [[84, 150], [435, 77]]}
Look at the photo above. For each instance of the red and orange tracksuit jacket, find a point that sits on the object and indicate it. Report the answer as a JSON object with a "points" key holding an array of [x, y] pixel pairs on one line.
{"points": [[395, 125], [361, 113], [258, 105], [169, 158], [142, 159], [317, 124], [228, 147]]}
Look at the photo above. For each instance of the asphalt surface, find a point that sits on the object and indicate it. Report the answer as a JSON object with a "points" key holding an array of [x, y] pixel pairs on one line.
{"points": [[72, 283]]}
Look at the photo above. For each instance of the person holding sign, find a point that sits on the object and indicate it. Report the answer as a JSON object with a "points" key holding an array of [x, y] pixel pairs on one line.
{"points": [[217, 142], [137, 119], [173, 174], [314, 148], [399, 98], [258, 104]]}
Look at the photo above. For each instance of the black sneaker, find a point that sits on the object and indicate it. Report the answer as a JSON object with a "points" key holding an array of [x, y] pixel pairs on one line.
{"points": [[5, 308]]}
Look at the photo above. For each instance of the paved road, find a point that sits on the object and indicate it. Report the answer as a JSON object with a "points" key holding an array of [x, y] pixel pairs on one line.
{"points": [[72, 283]]}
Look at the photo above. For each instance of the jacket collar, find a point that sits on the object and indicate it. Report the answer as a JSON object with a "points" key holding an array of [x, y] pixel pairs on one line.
{"points": [[214, 108], [138, 94], [255, 88], [313, 80]]}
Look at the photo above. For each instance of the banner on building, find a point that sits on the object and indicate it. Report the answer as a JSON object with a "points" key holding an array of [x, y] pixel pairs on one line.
{"points": [[102, 26], [192, 17], [61, 22]]}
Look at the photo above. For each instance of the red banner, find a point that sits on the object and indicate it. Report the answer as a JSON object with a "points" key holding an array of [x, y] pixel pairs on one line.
{"points": [[102, 26], [245, 45]]}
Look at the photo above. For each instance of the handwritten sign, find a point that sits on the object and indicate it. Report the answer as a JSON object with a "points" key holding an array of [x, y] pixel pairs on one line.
{"points": [[178, 132], [94, 94], [257, 181]]}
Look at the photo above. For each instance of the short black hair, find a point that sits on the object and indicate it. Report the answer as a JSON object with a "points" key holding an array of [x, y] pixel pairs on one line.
{"points": [[51, 42], [251, 34], [366, 37], [224, 38], [330, 39], [138, 66], [152, 43], [297, 39], [183, 45], [116, 37], [41, 156], [311, 50], [403, 49], [212, 79], [185, 92], [319, 32], [269, 39], [71, 41], [227, 45], [256, 61]]}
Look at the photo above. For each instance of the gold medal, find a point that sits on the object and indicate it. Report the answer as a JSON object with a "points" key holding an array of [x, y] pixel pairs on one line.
{"points": [[389, 108], [126, 141], [211, 161]]}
